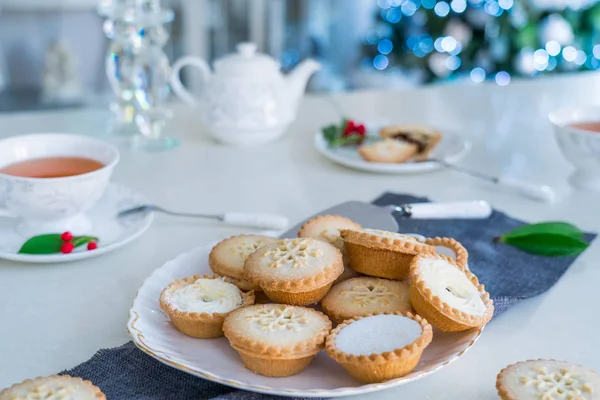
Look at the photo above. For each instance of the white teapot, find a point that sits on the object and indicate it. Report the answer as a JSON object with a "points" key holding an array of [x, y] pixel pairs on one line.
{"points": [[247, 100]]}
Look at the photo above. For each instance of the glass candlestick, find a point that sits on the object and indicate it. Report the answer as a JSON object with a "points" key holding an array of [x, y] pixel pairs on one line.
{"points": [[138, 70]]}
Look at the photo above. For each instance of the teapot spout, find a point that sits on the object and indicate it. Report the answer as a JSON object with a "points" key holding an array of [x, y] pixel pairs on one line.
{"points": [[298, 78]]}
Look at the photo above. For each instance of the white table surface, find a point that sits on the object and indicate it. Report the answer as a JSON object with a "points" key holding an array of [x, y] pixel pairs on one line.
{"points": [[56, 316]]}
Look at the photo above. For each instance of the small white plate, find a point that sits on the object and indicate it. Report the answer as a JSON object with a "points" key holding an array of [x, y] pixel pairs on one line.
{"points": [[113, 232], [217, 361], [452, 148]]}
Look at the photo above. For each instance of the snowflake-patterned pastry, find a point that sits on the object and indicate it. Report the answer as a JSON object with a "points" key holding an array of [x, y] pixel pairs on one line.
{"points": [[366, 295], [547, 380], [327, 228], [288, 337], [53, 388], [279, 318], [295, 271], [227, 258], [292, 253]]}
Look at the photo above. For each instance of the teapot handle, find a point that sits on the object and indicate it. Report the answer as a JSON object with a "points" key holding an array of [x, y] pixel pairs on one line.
{"points": [[176, 84]]}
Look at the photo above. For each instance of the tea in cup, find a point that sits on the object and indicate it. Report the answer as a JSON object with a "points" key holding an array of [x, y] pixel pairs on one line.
{"points": [[48, 181]]}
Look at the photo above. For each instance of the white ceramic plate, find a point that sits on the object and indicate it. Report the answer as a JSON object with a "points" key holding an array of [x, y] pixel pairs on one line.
{"points": [[112, 232], [452, 148], [216, 360]]}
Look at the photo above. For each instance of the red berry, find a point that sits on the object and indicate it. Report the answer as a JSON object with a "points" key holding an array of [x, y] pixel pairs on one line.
{"points": [[67, 247], [92, 246], [361, 129], [350, 125], [66, 236]]}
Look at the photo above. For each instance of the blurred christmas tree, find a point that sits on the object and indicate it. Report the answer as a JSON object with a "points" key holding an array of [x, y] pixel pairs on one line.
{"points": [[484, 39]]}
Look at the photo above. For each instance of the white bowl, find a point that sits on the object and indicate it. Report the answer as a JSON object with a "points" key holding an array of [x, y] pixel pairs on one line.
{"points": [[580, 147], [49, 205]]}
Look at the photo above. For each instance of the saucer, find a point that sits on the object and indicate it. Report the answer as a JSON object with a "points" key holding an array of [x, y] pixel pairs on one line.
{"points": [[112, 232], [452, 148]]}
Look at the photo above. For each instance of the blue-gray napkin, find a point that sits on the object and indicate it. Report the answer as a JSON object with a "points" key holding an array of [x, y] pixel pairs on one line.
{"points": [[510, 275]]}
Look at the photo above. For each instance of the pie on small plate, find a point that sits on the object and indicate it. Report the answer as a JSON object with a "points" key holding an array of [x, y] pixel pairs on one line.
{"points": [[451, 148]]}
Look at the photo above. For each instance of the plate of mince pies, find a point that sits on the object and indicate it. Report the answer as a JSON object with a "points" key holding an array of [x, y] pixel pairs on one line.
{"points": [[338, 310], [396, 149]]}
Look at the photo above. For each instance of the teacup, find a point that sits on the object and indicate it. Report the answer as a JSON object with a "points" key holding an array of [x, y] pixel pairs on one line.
{"points": [[53, 204], [580, 145]]}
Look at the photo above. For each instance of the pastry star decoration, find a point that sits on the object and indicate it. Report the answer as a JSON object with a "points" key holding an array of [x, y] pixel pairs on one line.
{"points": [[368, 294], [246, 248], [291, 252], [559, 385], [279, 318]]}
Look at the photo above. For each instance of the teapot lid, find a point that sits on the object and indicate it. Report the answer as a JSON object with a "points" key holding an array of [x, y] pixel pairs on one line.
{"points": [[246, 61]]}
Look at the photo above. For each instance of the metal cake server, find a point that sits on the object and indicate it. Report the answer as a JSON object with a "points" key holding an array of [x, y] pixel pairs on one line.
{"points": [[380, 217], [265, 221]]}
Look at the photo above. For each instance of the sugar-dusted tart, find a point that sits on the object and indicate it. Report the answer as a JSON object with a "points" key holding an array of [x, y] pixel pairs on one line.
{"points": [[377, 348], [366, 295], [448, 296], [55, 387], [422, 137], [547, 380], [451, 248], [327, 228], [227, 258], [198, 305], [295, 271], [276, 339], [381, 253]]}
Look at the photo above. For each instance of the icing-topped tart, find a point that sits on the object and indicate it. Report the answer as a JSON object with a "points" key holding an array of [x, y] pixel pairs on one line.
{"points": [[55, 387], [276, 339], [198, 305], [362, 296], [295, 271], [327, 228], [450, 297], [377, 348], [547, 380], [227, 258], [381, 253], [451, 248]]}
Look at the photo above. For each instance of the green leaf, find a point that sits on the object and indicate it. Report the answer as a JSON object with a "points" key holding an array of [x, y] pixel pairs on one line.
{"points": [[42, 244], [547, 244], [81, 240], [330, 133], [557, 228]]}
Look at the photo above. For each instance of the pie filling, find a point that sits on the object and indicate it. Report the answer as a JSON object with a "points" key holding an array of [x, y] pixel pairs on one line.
{"points": [[408, 137], [452, 286], [207, 296]]}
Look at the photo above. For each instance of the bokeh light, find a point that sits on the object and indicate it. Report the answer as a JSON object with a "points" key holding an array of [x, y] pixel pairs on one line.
{"points": [[553, 48], [458, 6], [381, 62], [441, 9], [477, 75], [453, 63], [385, 46], [502, 78], [569, 53]]}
